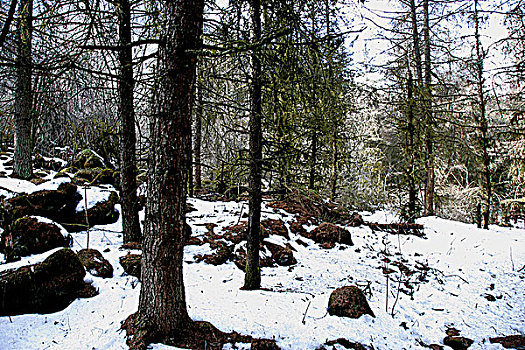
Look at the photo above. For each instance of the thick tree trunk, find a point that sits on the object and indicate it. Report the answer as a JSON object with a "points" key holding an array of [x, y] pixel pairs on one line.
{"points": [[128, 172], [429, 120], [252, 278], [162, 303], [482, 125], [23, 165]]}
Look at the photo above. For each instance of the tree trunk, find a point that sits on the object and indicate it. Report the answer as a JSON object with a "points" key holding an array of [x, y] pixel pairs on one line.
{"points": [[162, 303], [198, 128], [429, 120], [313, 160], [128, 172], [335, 160], [23, 165], [482, 125], [412, 191], [252, 278]]}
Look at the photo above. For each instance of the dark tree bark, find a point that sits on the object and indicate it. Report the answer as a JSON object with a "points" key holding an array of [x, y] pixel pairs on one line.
{"points": [[198, 129], [313, 160], [429, 120], [252, 278], [480, 118], [162, 303], [7, 24], [23, 167], [412, 191], [128, 166]]}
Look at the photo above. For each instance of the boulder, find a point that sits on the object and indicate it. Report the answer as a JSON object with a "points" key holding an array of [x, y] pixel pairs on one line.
{"points": [[458, 343], [283, 256], [40, 162], [46, 287], [348, 302], [28, 236], [275, 227], [511, 341], [264, 344], [96, 176], [58, 205], [131, 264], [102, 213], [95, 263], [88, 159], [330, 233]]}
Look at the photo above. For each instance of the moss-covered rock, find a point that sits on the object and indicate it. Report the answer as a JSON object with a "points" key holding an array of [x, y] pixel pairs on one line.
{"points": [[96, 176], [131, 264], [40, 162], [282, 256], [457, 342], [348, 302], [95, 263], [275, 227], [28, 236], [58, 205], [330, 233], [102, 213], [46, 287], [88, 159]]}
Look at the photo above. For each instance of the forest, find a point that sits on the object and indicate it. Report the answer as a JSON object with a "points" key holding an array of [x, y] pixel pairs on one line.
{"points": [[260, 174]]}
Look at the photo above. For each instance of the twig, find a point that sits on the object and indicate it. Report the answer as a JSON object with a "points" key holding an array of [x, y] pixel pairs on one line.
{"points": [[240, 214], [458, 276], [511, 260], [305, 311]]}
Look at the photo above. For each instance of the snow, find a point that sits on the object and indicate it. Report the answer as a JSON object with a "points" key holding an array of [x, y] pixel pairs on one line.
{"points": [[464, 264]]}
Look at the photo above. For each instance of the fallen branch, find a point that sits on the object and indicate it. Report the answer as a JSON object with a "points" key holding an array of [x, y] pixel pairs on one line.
{"points": [[398, 228]]}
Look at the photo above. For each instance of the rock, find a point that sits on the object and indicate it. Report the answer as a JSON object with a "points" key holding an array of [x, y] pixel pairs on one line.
{"points": [[490, 297], [347, 344], [88, 159], [264, 344], [275, 227], [58, 205], [510, 342], [219, 257], [40, 162], [42, 288], [102, 213], [27, 236], [297, 228], [355, 220], [348, 302], [457, 343], [330, 233], [131, 264], [95, 263], [96, 176], [282, 256]]}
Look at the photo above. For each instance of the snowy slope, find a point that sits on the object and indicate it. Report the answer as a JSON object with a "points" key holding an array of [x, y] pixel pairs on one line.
{"points": [[464, 263]]}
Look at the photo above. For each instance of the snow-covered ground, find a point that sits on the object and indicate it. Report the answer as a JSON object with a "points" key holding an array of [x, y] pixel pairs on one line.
{"points": [[464, 264]]}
